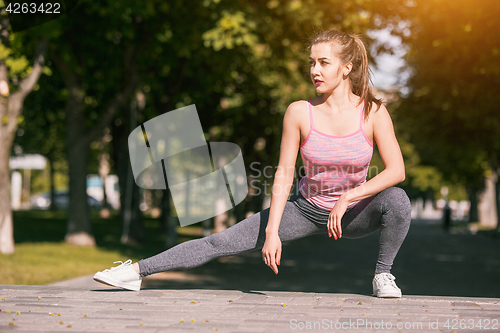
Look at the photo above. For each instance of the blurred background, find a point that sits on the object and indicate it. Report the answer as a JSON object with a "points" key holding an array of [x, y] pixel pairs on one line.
{"points": [[72, 90]]}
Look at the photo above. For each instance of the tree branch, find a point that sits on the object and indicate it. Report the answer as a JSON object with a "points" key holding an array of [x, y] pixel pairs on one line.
{"points": [[131, 80], [26, 86]]}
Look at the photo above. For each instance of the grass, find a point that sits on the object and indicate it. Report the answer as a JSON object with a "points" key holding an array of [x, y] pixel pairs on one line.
{"points": [[42, 257], [47, 262]]}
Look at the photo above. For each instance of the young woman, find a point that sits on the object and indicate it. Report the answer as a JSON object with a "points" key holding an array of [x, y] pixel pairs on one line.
{"points": [[335, 133]]}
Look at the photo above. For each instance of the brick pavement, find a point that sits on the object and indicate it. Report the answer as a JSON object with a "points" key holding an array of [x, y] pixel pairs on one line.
{"points": [[102, 309]]}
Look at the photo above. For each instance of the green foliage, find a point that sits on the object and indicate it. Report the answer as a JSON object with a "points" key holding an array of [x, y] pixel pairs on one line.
{"points": [[451, 115], [17, 64], [421, 177], [42, 130], [232, 29], [4, 52], [40, 180]]}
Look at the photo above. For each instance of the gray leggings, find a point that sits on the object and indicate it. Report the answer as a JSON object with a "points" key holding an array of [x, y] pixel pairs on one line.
{"points": [[389, 211]]}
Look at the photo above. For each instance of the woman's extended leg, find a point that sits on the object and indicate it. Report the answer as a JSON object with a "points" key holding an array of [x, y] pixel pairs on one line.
{"points": [[247, 235]]}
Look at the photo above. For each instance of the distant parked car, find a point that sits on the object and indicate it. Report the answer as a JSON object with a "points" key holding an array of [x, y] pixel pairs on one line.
{"points": [[42, 201]]}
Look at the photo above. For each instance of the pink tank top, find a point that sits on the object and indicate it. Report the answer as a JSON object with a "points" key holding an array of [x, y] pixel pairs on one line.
{"points": [[333, 164]]}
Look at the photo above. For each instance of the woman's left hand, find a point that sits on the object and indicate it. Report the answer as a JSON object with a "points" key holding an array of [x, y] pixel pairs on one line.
{"points": [[334, 220]]}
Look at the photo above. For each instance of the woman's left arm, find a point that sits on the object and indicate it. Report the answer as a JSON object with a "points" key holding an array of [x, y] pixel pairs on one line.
{"points": [[393, 173]]}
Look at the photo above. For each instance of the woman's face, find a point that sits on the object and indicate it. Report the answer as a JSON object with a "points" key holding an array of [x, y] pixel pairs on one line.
{"points": [[325, 68]]}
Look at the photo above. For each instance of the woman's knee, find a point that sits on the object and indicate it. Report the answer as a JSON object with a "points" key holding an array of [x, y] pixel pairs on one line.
{"points": [[222, 239], [395, 199], [239, 236]]}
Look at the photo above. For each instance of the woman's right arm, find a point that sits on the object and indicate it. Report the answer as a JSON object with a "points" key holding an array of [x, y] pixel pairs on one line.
{"points": [[283, 180]]}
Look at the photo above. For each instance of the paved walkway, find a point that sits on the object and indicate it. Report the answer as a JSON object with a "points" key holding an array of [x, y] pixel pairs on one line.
{"points": [[51, 309], [450, 283]]}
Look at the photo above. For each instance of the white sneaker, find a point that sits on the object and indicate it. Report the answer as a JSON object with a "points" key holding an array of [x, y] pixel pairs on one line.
{"points": [[384, 286], [122, 276]]}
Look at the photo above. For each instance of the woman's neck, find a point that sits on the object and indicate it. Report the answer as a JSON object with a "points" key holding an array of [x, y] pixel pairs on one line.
{"points": [[340, 98]]}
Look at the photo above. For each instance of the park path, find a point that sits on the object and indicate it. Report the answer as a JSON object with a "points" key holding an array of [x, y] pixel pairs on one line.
{"points": [[450, 283]]}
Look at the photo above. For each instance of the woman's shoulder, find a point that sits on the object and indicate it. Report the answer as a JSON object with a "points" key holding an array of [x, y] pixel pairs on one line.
{"points": [[298, 105], [378, 111], [377, 106], [296, 114], [380, 119], [297, 110]]}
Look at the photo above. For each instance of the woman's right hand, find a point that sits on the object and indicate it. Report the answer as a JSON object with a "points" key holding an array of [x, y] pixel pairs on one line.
{"points": [[271, 252]]}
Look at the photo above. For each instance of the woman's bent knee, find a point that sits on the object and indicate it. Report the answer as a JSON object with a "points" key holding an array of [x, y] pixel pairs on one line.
{"points": [[396, 199]]}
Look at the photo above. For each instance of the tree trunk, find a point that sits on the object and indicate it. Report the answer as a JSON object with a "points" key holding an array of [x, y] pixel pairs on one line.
{"points": [[497, 195], [168, 220], [120, 158], [497, 199], [472, 192], [103, 173], [6, 226], [78, 227], [131, 220], [78, 140], [136, 226], [25, 196], [496, 172], [132, 227], [52, 183], [10, 109]]}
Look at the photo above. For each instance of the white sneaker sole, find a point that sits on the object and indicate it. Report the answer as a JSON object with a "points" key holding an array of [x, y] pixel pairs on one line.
{"points": [[389, 294], [134, 285]]}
